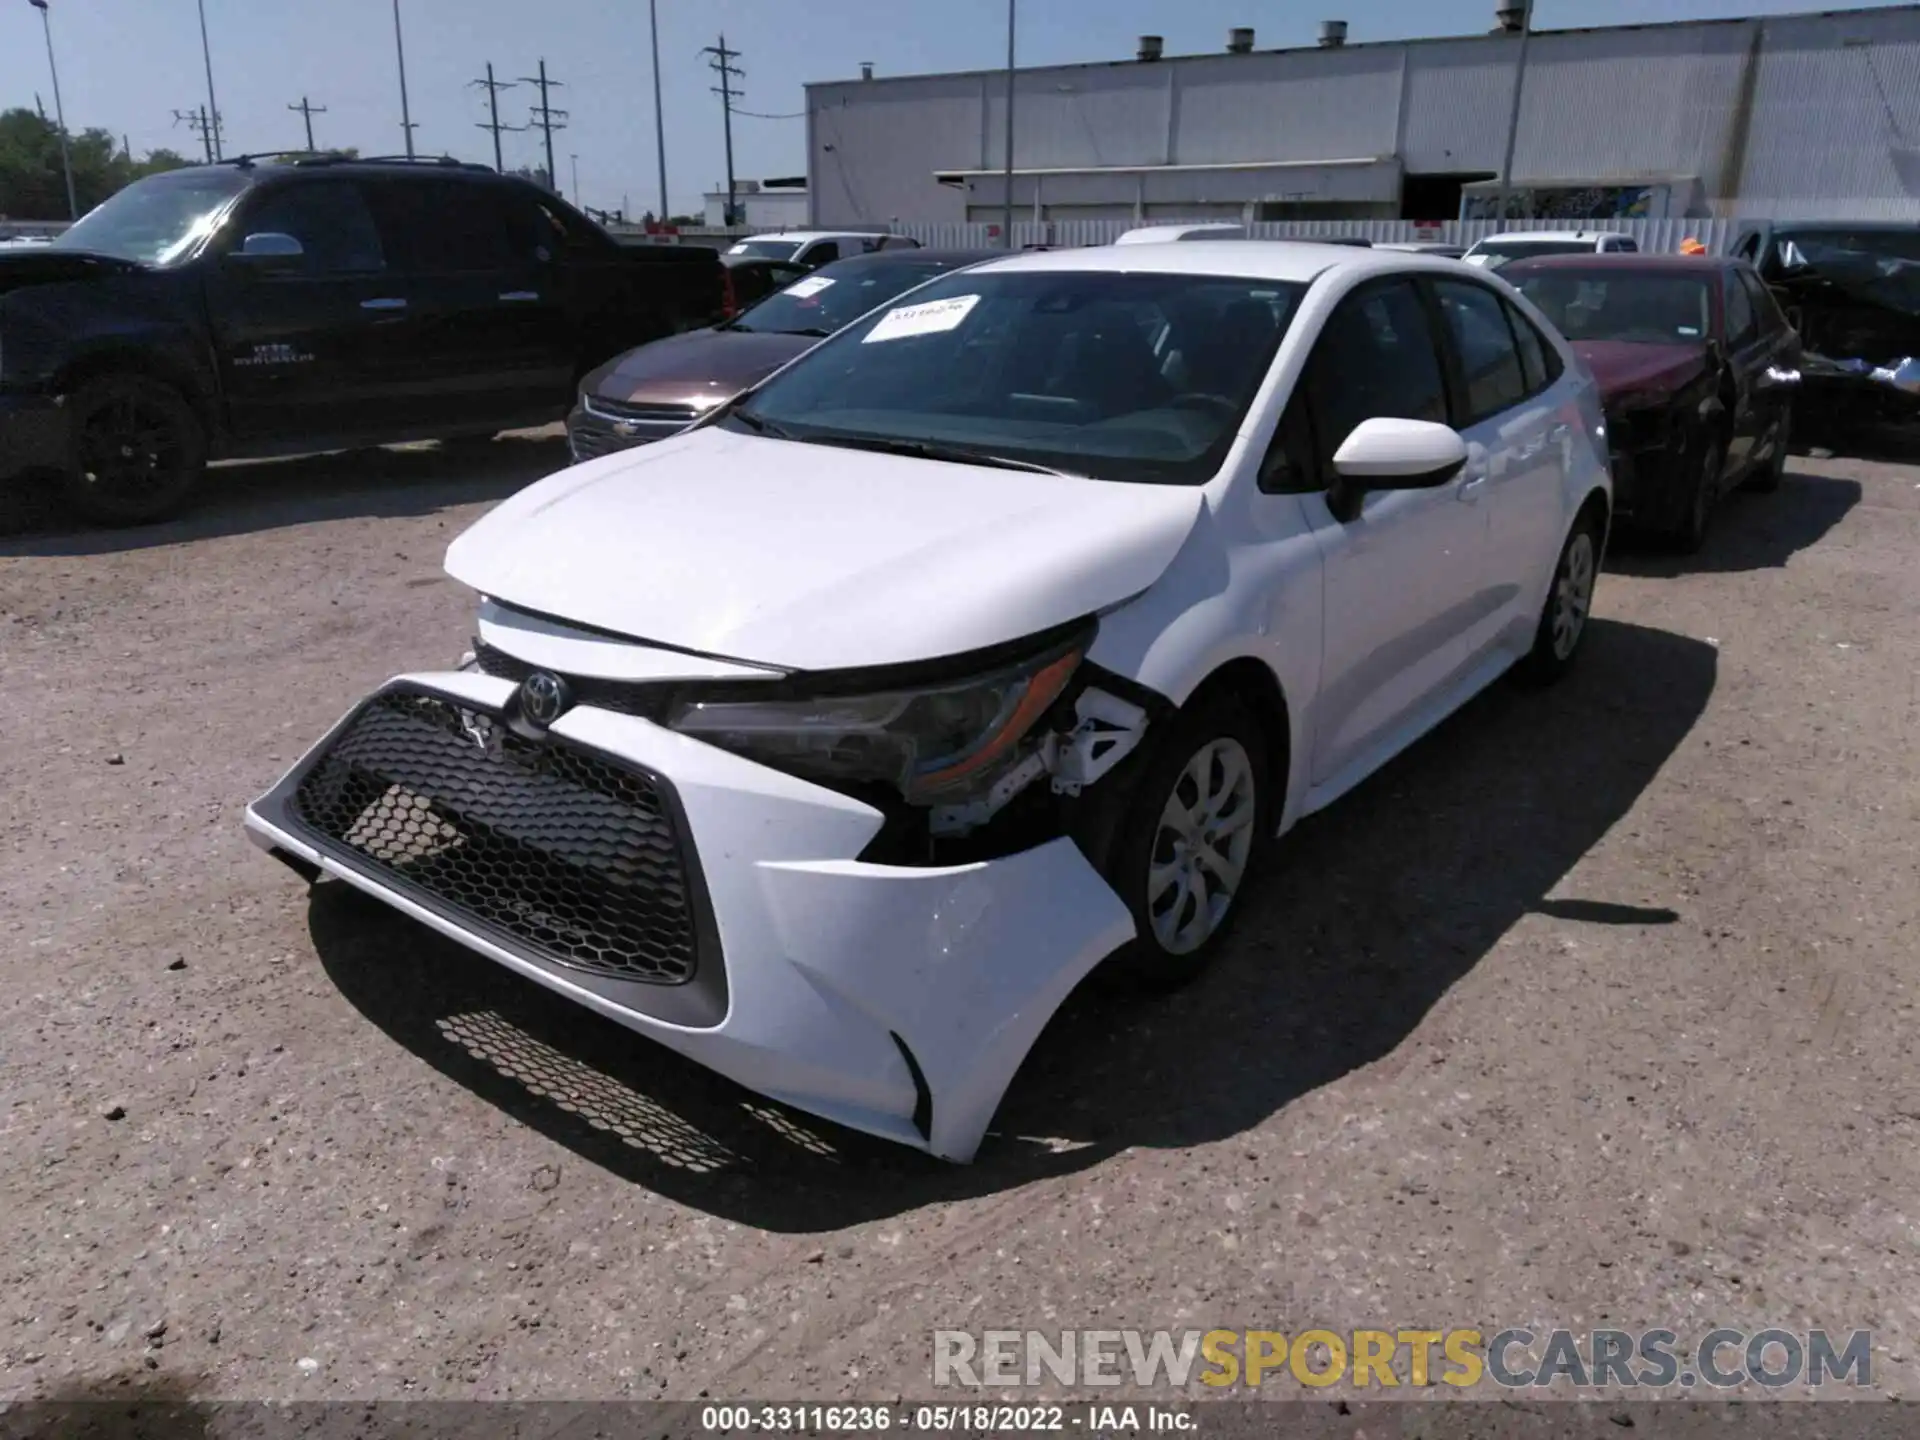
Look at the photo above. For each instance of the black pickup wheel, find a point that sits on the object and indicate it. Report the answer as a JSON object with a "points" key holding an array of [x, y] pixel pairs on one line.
{"points": [[138, 450]]}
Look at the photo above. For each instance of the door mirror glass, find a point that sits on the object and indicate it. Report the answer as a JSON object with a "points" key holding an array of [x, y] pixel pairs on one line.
{"points": [[270, 250], [1385, 454]]}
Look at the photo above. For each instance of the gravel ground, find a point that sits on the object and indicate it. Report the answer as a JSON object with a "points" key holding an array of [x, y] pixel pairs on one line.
{"points": [[1594, 1010]]}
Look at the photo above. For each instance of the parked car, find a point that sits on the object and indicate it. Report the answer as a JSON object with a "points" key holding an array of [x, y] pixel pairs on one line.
{"points": [[834, 741], [1853, 293], [660, 389], [1498, 250], [1425, 247], [1697, 369], [254, 308], [814, 248]]}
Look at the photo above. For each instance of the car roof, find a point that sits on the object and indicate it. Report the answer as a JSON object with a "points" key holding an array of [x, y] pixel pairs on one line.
{"points": [[1647, 262], [1296, 261], [811, 235], [1554, 235]]}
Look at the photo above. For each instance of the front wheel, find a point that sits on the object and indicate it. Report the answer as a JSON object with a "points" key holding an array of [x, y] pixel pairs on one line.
{"points": [[1563, 619], [1703, 494], [1767, 479], [1197, 824], [138, 450]]}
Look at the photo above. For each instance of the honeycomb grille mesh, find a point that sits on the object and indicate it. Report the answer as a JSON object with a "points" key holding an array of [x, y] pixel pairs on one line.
{"points": [[574, 857]]}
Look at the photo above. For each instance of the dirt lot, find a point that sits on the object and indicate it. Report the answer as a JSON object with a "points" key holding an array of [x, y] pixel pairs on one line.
{"points": [[1597, 1009]]}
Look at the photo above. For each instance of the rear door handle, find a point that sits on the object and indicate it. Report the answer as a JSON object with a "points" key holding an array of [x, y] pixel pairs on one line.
{"points": [[520, 296], [389, 303]]}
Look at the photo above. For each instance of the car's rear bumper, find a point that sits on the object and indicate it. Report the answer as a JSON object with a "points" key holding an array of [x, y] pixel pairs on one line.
{"points": [[34, 434], [898, 1001]]}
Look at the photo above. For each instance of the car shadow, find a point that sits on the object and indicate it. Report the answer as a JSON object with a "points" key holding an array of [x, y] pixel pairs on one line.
{"points": [[1750, 531], [1361, 919], [250, 496]]}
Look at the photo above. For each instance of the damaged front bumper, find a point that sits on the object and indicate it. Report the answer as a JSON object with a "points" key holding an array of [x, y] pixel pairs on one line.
{"points": [[716, 905]]}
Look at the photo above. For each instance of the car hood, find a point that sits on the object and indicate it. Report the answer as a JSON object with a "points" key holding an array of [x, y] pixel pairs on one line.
{"points": [[811, 557], [1627, 367], [44, 265], [701, 363]]}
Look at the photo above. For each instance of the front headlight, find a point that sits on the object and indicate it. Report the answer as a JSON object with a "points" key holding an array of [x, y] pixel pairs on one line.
{"points": [[931, 743]]}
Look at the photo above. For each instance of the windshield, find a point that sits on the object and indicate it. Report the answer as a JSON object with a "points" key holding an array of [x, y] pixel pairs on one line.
{"points": [[767, 249], [156, 220], [1494, 253], [1640, 309], [1113, 376], [833, 296]]}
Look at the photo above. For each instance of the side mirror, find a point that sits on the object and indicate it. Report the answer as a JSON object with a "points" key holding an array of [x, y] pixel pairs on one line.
{"points": [[269, 251], [1385, 454]]}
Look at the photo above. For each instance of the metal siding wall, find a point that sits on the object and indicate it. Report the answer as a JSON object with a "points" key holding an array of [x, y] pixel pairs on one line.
{"points": [[1661, 236], [888, 139], [1630, 103], [1458, 92], [1073, 119], [1322, 105], [1836, 123]]}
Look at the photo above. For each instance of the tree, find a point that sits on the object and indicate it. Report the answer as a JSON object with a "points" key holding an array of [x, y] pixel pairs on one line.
{"points": [[536, 173], [32, 184]]}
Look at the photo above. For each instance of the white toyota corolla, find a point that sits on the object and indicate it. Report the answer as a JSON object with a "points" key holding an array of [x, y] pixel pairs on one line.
{"points": [[833, 742]]}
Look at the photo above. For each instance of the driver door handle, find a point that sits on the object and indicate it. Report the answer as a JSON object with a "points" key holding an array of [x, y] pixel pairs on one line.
{"points": [[1473, 487], [389, 303], [519, 296]]}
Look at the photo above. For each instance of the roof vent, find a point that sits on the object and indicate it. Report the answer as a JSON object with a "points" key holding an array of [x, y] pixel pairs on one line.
{"points": [[1333, 34], [1240, 40], [866, 69], [1151, 47], [1510, 17]]}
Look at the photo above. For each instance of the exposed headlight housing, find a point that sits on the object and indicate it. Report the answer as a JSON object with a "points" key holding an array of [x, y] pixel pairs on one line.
{"points": [[933, 743]]}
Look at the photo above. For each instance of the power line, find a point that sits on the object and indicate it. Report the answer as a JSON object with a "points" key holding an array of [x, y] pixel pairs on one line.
{"points": [[756, 115], [493, 88], [547, 118], [722, 65], [307, 112]]}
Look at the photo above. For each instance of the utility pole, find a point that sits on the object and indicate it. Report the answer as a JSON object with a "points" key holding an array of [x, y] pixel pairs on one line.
{"points": [[1006, 224], [206, 54], [307, 112], [548, 119], [722, 66], [493, 88], [575, 159], [196, 120], [59, 110], [400, 51], [659, 124], [1513, 115]]}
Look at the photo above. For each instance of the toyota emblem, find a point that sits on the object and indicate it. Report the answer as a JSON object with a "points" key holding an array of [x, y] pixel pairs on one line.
{"points": [[543, 697]]}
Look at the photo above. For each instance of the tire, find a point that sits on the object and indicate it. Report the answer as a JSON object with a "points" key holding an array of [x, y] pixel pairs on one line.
{"points": [[1569, 605], [1767, 479], [139, 450], [1703, 495], [1212, 752]]}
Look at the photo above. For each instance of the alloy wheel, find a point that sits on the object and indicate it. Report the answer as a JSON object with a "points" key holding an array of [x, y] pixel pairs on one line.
{"points": [[1201, 846], [1573, 594], [128, 450]]}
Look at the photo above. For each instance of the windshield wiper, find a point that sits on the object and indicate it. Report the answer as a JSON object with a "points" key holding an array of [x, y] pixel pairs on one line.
{"points": [[812, 333], [928, 450], [757, 425]]}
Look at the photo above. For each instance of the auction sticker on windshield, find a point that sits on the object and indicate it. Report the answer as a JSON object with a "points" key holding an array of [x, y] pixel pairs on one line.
{"points": [[929, 319], [812, 285]]}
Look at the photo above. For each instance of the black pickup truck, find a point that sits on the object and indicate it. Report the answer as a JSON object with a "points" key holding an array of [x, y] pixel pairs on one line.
{"points": [[279, 306]]}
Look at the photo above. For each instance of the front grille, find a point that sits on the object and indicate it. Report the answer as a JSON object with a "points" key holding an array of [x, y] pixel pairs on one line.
{"points": [[625, 697], [560, 852], [646, 414]]}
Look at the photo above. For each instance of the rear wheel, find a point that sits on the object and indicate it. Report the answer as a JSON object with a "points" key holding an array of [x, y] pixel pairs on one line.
{"points": [[1197, 825], [138, 450], [1563, 619]]}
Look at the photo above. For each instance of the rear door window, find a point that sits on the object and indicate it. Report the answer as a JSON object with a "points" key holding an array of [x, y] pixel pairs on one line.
{"points": [[447, 227], [1482, 340]]}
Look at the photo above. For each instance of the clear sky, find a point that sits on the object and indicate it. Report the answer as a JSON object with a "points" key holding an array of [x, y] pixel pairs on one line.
{"points": [[128, 64]]}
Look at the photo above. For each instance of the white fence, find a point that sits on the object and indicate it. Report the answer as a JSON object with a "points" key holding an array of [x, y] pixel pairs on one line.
{"points": [[1655, 235]]}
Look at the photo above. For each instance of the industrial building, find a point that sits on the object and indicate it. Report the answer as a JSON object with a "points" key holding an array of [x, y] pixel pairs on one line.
{"points": [[760, 204], [1803, 116]]}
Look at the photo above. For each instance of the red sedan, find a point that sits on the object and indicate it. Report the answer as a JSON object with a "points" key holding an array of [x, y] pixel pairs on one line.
{"points": [[1697, 367]]}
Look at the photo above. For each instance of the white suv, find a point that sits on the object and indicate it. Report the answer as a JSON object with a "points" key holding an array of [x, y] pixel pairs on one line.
{"points": [[1497, 250], [834, 741]]}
